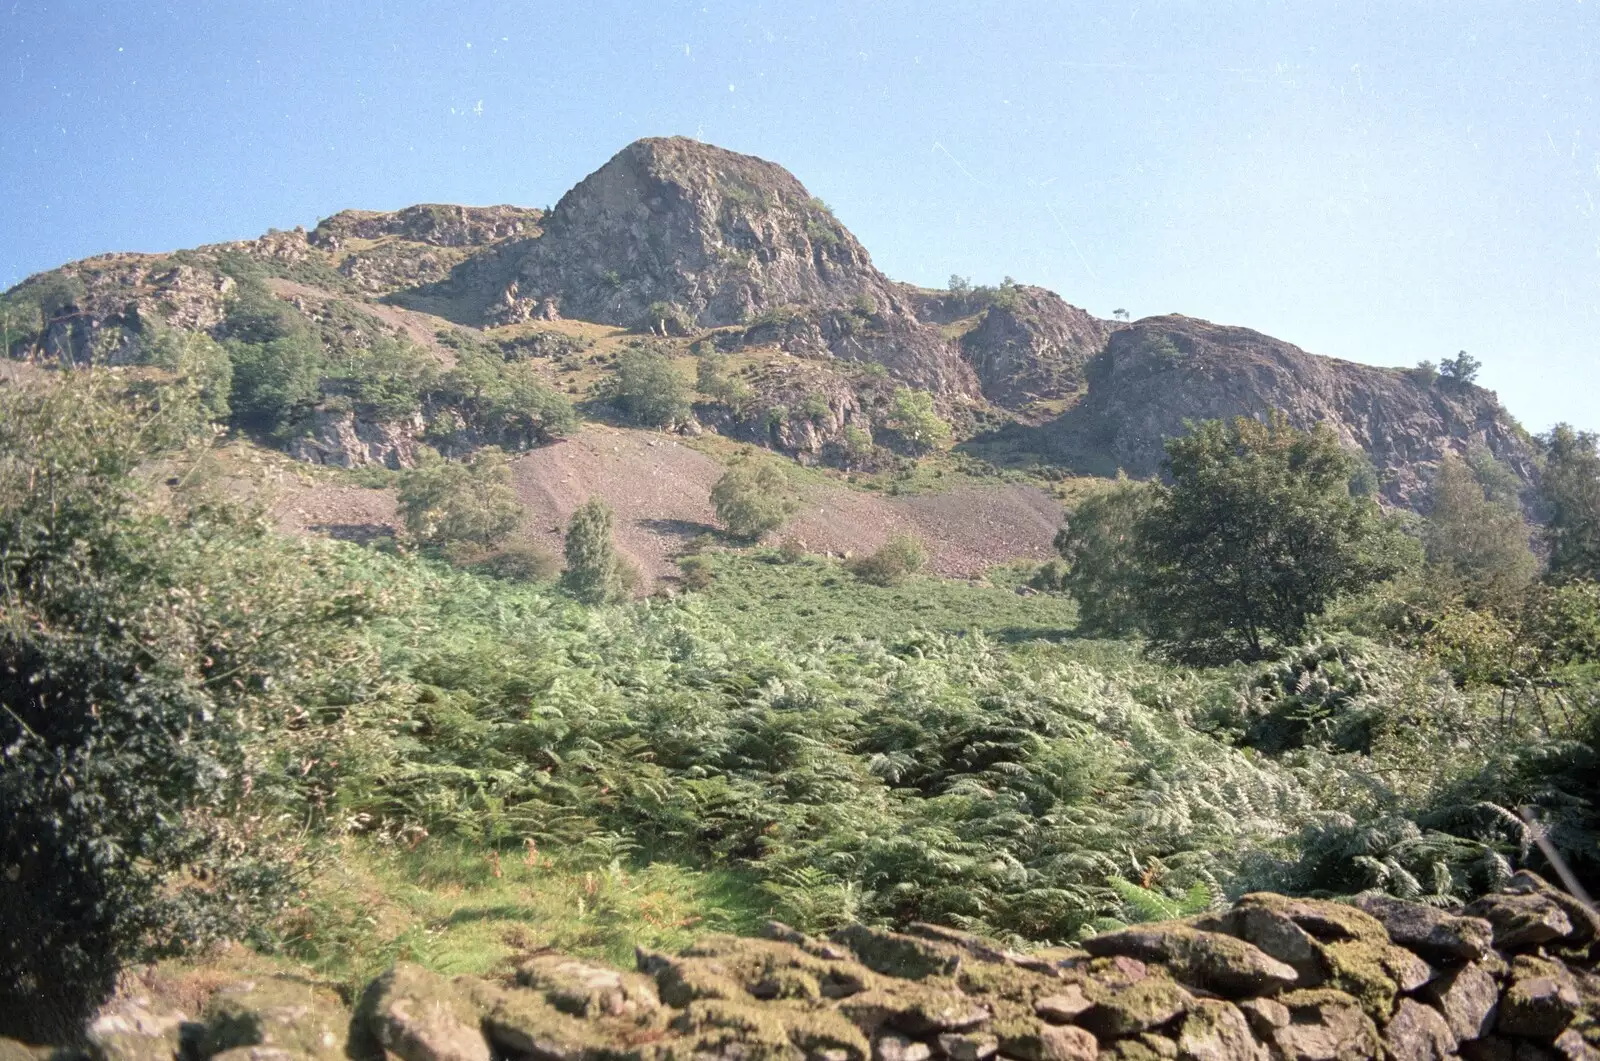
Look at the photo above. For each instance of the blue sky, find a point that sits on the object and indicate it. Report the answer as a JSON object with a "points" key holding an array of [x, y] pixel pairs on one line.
{"points": [[1383, 182]]}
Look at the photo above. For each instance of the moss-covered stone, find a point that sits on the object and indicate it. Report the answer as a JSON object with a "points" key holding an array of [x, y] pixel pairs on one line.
{"points": [[276, 1012], [1216, 1031], [894, 954], [417, 1015], [522, 1024], [919, 1010], [586, 989], [1325, 1025], [1327, 921], [1209, 960], [1150, 1003], [734, 1029], [1540, 1001], [1375, 972], [135, 1029]]}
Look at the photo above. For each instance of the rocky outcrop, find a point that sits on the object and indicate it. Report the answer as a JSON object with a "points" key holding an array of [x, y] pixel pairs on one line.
{"points": [[435, 224], [1161, 372], [1032, 346], [338, 437], [1273, 979]]}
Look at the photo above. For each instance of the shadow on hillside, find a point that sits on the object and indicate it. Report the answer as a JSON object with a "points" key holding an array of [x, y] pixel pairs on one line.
{"points": [[1016, 635], [679, 528], [1069, 442]]}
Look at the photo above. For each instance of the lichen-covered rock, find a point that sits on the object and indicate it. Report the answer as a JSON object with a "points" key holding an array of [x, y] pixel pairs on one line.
{"points": [[1209, 960], [1418, 1033], [914, 1009], [1217, 1031], [275, 1012], [968, 1046], [1325, 1025], [417, 1015], [1265, 1015], [1275, 934], [1540, 1000], [1585, 921], [1064, 1006], [1469, 999], [522, 1024], [135, 1029], [586, 989], [1429, 930], [1375, 972], [1150, 1003], [1522, 920], [1572, 1046], [894, 954], [892, 1046]]}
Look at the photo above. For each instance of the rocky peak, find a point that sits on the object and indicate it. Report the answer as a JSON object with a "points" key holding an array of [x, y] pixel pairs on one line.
{"points": [[1160, 372], [725, 236]]}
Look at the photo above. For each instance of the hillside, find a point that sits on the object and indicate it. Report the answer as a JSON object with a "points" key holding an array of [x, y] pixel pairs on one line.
{"points": [[689, 251]]}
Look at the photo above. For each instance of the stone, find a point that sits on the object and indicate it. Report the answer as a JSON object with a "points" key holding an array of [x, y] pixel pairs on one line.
{"points": [[135, 1029], [1275, 934], [1325, 1025], [1064, 1007], [417, 1015], [1469, 999], [1428, 930], [522, 1024], [586, 989], [257, 1053], [1585, 921], [892, 1046], [915, 1010], [1216, 1031], [1150, 1003], [1540, 1001], [12, 1050], [1522, 921], [1067, 1044], [1208, 960], [1490, 1048], [1264, 1015], [1418, 1033], [968, 1046], [275, 1012], [1159, 1045], [894, 954], [1375, 972], [1571, 1046], [1327, 921]]}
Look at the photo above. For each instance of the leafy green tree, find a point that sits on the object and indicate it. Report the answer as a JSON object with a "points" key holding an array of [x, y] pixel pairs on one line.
{"points": [[913, 415], [1098, 544], [1476, 545], [648, 390], [594, 572], [752, 499], [1569, 489], [448, 503], [144, 642], [1257, 534], [714, 381], [893, 561], [1461, 369], [196, 357]]}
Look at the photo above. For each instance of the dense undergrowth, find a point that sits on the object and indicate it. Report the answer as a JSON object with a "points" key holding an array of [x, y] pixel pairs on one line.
{"points": [[367, 755]]}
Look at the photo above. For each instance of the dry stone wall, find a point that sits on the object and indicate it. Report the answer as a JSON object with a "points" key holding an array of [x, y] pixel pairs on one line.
{"points": [[1510, 978]]}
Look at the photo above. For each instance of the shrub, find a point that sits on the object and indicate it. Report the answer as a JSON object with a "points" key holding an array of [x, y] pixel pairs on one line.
{"points": [[594, 574], [447, 502], [902, 555], [1570, 492], [648, 390], [696, 571], [791, 550], [1098, 545], [712, 380], [913, 415], [753, 498], [667, 319], [520, 562], [1476, 546]]}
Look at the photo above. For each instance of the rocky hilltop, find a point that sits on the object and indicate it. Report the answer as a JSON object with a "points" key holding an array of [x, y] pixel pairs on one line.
{"points": [[1272, 979], [1161, 372], [695, 246]]}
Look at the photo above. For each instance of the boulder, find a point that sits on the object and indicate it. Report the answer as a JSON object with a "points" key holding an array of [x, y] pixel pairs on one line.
{"points": [[895, 954], [1208, 960], [136, 1029], [1063, 1007], [1275, 934], [1325, 1025], [585, 989], [417, 1015], [892, 1046], [1523, 920], [1539, 1001], [275, 1012], [1429, 930], [1150, 1003], [968, 1046], [1585, 921], [1216, 1031], [1469, 999], [1418, 1033]]}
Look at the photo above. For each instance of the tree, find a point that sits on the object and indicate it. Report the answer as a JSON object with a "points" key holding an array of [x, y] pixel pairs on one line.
{"points": [[1569, 490], [594, 572], [1476, 544], [196, 357], [446, 503], [1258, 532], [1097, 543], [713, 380], [648, 390], [900, 556], [1461, 369], [753, 498], [913, 415]]}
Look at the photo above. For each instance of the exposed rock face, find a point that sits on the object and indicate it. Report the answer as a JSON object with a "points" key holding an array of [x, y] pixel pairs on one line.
{"points": [[931, 994], [1033, 346], [338, 437], [433, 223], [1162, 371]]}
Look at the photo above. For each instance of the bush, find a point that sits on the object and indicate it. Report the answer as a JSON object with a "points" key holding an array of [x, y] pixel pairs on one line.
{"points": [[696, 571], [647, 389], [913, 415], [520, 562], [1098, 545], [667, 319], [752, 499], [594, 574], [791, 550], [445, 503], [901, 556]]}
